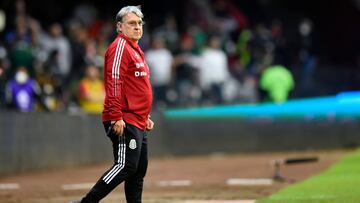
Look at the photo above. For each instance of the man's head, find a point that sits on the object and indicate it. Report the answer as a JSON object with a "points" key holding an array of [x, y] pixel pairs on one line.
{"points": [[129, 22]]}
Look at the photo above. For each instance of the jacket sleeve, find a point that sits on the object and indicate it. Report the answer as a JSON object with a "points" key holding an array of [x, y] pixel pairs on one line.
{"points": [[116, 63]]}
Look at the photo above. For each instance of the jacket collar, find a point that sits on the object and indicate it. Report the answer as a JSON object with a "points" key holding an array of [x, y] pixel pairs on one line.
{"points": [[131, 43]]}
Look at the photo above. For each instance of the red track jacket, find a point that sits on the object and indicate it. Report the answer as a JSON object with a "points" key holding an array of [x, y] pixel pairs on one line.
{"points": [[127, 83]]}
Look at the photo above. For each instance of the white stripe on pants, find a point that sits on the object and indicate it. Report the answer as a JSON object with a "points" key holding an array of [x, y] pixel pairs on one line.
{"points": [[121, 162]]}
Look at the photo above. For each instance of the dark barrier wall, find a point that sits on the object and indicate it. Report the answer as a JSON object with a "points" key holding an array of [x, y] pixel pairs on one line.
{"points": [[47, 140], [232, 135], [37, 141]]}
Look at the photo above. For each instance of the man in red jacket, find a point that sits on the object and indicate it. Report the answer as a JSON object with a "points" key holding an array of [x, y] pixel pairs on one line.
{"points": [[127, 106]]}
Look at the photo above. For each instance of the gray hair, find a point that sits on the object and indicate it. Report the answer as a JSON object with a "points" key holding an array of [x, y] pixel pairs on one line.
{"points": [[129, 9]]}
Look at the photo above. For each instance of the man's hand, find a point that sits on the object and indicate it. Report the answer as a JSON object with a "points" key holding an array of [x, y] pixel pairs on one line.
{"points": [[149, 125], [119, 127]]}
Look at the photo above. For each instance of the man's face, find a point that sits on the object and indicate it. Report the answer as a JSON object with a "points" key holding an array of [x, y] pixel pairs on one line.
{"points": [[131, 27]]}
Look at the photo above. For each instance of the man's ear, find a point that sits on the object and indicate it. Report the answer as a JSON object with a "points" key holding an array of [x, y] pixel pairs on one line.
{"points": [[118, 26]]}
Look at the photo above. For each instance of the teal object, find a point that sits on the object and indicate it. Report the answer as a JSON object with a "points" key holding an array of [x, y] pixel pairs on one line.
{"points": [[344, 105]]}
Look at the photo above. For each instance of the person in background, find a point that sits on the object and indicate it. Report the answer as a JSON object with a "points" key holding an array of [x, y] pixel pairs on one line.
{"points": [[48, 95], [277, 81], [21, 52], [55, 41], [22, 91], [213, 71], [307, 56], [185, 74], [160, 62], [91, 92]]}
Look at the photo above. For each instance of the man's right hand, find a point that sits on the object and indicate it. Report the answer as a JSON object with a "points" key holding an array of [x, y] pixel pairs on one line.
{"points": [[119, 127]]}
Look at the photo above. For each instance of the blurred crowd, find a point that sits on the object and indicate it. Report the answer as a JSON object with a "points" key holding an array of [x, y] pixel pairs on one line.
{"points": [[219, 58]]}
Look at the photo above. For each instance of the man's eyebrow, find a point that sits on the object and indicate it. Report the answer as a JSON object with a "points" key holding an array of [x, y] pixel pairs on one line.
{"points": [[135, 21]]}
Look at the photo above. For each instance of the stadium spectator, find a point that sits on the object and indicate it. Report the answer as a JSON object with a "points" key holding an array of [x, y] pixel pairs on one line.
{"points": [[78, 39], [213, 72], [248, 90], [103, 40], [160, 62], [281, 51], [169, 32], [243, 50], [21, 92], [185, 73], [92, 55], [228, 17], [262, 49], [91, 92], [277, 81], [49, 95], [52, 84], [244, 91], [21, 52], [57, 42], [307, 55]]}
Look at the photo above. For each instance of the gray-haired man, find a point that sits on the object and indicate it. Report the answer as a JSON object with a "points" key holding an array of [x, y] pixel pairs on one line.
{"points": [[126, 109]]}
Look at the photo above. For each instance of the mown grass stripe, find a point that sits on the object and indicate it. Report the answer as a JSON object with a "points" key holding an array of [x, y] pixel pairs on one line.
{"points": [[340, 183]]}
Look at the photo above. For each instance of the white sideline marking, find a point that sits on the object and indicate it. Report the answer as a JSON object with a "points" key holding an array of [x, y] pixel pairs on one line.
{"points": [[77, 186], [174, 183], [9, 186], [221, 201], [249, 182]]}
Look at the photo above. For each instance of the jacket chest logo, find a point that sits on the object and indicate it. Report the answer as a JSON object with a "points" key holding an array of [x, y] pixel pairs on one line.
{"points": [[137, 56], [140, 65], [140, 73]]}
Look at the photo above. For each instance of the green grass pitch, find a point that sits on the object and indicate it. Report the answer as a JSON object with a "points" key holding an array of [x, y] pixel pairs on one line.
{"points": [[339, 184]]}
